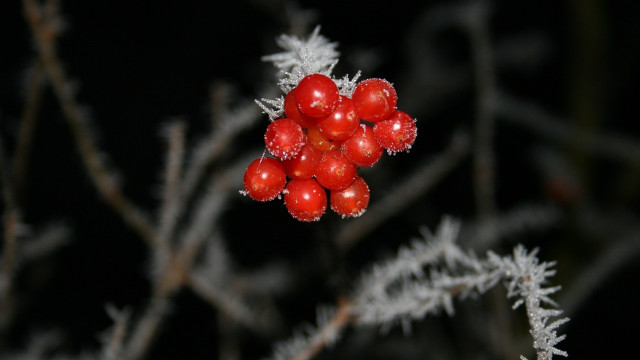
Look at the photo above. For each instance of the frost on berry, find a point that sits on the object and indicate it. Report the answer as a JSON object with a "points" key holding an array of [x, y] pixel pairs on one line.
{"points": [[351, 201], [317, 95], [302, 57], [396, 133], [305, 199], [284, 138], [303, 166], [334, 171], [342, 122], [362, 149], [264, 179], [292, 111], [374, 99]]}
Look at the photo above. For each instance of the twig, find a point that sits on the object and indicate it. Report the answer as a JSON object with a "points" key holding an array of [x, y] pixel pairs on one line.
{"points": [[147, 328], [408, 191], [229, 126], [28, 122], [169, 207], [540, 121], [9, 255], [48, 240], [114, 341], [227, 302], [598, 271], [485, 82], [424, 278], [516, 221], [304, 345], [43, 26], [330, 332], [11, 218]]}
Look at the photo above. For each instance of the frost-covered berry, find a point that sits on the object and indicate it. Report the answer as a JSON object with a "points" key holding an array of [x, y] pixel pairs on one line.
{"points": [[397, 133], [362, 149], [374, 99], [341, 123], [351, 201], [305, 199], [284, 138], [303, 166], [317, 95], [264, 179], [334, 171]]}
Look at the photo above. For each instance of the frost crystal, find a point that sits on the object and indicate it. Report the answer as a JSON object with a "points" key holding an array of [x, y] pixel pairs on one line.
{"points": [[425, 277], [302, 57]]}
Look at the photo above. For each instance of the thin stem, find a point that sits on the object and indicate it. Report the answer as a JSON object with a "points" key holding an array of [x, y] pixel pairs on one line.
{"points": [[410, 190], [43, 25], [9, 258], [334, 327], [170, 197], [147, 328], [485, 82], [27, 128]]}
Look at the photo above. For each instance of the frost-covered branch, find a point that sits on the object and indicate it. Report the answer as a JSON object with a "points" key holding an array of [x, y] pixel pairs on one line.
{"points": [[425, 278], [45, 24], [302, 57], [311, 339], [402, 289]]}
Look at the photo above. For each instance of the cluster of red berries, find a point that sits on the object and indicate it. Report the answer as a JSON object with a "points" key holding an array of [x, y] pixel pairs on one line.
{"points": [[321, 141]]}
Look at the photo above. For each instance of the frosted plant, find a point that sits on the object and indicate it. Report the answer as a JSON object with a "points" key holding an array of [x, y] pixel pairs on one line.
{"points": [[424, 278], [402, 289], [302, 57]]}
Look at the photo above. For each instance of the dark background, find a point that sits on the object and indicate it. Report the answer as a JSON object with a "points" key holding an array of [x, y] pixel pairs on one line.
{"points": [[138, 64]]}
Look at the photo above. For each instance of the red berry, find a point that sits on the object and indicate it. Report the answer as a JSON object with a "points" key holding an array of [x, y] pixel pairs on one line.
{"points": [[305, 199], [292, 112], [351, 201], [374, 99], [264, 179], [362, 149], [321, 142], [397, 133], [341, 123], [334, 171], [317, 95], [284, 138], [304, 165]]}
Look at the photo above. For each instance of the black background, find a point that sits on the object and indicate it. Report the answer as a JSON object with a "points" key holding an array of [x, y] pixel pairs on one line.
{"points": [[138, 64]]}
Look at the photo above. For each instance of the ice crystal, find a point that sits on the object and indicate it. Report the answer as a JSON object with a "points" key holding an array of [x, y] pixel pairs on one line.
{"points": [[302, 57], [304, 337], [425, 277]]}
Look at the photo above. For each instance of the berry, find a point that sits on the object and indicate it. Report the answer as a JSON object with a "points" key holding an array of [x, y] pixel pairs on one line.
{"points": [[397, 133], [292, 112], [374, 99], [284, 138], [362, 149], [304, 165], [341, 123], [352, 201], [264, 179], [334, 171], [321, 142], [305, 199], [317, 95]]}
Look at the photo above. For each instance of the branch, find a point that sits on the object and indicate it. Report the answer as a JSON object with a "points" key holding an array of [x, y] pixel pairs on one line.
{"points": [[44, 26], [405, 193]]}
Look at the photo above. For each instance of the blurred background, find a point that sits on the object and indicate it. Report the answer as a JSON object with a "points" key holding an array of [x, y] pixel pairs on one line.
{"points": [[557, 82]]}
